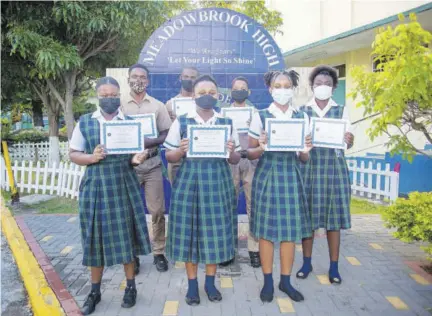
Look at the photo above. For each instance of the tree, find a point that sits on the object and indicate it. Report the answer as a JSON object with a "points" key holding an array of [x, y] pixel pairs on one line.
{"points": [[67, 41], [401, 88], [257, 10]]}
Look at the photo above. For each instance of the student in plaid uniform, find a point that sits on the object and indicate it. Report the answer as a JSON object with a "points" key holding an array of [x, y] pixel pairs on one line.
{"points": [[203, 205], [326, 175], [279, 205], [112, 219]]}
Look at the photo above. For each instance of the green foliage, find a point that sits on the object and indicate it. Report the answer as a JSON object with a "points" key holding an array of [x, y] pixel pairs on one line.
{"points": [[5, 127], [31, 136], [270, 19], [412, 218], [362, 206], [400, 89]]}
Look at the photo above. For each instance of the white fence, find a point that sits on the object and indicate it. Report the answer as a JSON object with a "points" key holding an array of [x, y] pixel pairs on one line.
{"points": [[61, 180], [36, 151], [373, 183], [64, 179]]}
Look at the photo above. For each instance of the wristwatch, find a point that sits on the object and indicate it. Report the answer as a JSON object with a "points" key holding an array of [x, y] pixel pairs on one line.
{"points": [[243, 154]]}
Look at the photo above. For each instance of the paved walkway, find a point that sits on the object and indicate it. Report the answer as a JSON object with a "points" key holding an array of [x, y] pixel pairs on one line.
{"points": [[376, 278]]}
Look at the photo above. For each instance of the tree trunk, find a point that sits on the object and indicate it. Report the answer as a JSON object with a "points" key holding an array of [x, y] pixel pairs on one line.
{"points": [[54, 147], [37, 106], [68, 113]]}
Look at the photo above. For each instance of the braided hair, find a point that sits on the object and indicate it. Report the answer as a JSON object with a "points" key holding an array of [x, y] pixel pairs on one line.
{"points": [[270, 77]]}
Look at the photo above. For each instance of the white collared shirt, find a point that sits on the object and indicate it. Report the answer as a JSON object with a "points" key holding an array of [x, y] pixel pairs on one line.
{"points": [[173, 139], [78, 142], [321, 113], [256, 126]]}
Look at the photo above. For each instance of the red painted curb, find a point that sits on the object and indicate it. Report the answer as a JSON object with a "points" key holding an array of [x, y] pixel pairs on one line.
{"points": [[66, 300], [416, 266]]}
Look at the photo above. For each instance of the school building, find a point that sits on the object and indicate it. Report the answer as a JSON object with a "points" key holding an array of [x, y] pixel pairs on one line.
{"points": [[340, 33]]}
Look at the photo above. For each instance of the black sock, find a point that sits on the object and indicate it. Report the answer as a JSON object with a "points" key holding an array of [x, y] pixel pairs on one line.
{"points": [[96, 287], [130, 283]]}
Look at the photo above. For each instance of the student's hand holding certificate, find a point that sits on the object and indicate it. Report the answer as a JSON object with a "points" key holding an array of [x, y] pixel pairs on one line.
{"points": [[184, 146], [308, 144], [263, 140], [349, 139], [230, 146], [98, 153]]}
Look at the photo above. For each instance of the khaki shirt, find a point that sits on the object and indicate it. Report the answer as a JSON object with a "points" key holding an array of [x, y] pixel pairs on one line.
{"points": [[130, 106], [169, 106]]}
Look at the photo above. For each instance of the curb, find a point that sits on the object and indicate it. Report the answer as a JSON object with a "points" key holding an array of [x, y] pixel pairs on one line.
{"points": [[42, 298]]}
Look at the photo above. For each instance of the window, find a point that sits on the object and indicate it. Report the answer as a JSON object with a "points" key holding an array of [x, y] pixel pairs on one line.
{"points": [[377, 62], [341, 70]]}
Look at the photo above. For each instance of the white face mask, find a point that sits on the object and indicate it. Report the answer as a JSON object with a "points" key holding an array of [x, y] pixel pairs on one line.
{"points": [[323, 92], [282, 96]]}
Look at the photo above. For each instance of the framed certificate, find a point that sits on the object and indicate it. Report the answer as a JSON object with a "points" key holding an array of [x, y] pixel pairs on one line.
{"points": [[208, 141], [122, 137], [149, 124], [285, 135], [183, 105], [241, 117], [329, 133]]}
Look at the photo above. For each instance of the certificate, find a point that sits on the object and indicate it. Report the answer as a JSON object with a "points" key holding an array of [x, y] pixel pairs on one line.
{"points": [[149, 129], [122, 137], [241, 117], [285, 135], [183, 106], [329, 133], [208, 141]]}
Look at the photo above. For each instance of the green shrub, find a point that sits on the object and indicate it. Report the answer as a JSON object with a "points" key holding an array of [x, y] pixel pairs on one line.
{"points": [[412, 219], [5, 127], [32, 136]]}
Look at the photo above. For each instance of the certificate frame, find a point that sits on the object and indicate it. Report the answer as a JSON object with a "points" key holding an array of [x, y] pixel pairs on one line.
{"points": [[215, 154], [175, 101], [131, 150], [249, 109], [341, 145], [270, 147], [142, 117]]}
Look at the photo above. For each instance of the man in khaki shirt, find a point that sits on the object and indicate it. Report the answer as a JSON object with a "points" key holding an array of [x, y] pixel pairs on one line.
{"points": [[150, 172], [187, 77]]}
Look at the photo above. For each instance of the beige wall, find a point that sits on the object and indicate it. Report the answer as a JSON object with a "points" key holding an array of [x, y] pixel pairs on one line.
{"points": [[308, 21]]}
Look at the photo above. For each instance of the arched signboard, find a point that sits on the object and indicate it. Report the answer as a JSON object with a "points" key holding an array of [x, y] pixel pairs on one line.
{"points": [[220, 42]]}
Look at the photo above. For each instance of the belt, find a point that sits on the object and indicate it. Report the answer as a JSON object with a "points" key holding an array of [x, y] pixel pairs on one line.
{"points": [[152, 153]]}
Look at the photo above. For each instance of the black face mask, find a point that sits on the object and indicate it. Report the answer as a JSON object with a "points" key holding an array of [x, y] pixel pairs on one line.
{"points": [[109, 105], [239, 95], [187, 85], [206, 101]]}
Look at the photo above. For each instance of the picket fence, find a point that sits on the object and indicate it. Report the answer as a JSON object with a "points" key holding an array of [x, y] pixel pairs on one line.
{"points": [[64, 179], [36, 151]]}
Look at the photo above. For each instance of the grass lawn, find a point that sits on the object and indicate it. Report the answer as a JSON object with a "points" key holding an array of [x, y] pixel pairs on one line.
{"points": [[359, 206], [58, 205]]}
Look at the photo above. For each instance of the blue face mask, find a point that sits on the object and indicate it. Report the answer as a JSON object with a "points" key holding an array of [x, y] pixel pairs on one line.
{"points": [[109, 105], [206, 101]]}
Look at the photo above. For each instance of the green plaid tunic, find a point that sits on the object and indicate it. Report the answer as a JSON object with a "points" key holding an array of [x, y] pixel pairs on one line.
{"points": [[279, 206], [202, 227], [328, 183], [111, 211]]}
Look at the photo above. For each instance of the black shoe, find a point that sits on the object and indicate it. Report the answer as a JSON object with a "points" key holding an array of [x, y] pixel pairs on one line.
{"points": [[161, 263], [192, 301], [296, 296], [90, 304], [129, 298], [226, 263], [254, 259], [266, 297], [217, 297], [137, 266]]}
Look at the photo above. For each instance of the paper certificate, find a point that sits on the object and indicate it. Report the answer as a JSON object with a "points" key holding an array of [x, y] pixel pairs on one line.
{"points": [[122, 137], [149, 129], [285, 135], [241, 117], [329, 133], [208, 141], [183, 105]]}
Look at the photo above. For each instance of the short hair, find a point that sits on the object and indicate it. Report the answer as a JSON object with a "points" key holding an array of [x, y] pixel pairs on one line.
{"points": [[270, 77], [323, 70], [191, 68], [240, 78], [204, 78], [107, 80], [138, 66]]}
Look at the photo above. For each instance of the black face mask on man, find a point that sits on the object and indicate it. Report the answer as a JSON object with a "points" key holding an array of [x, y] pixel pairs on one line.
{"points": [[206, 101], [239, 95], [109, 105], [187, 85]]}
